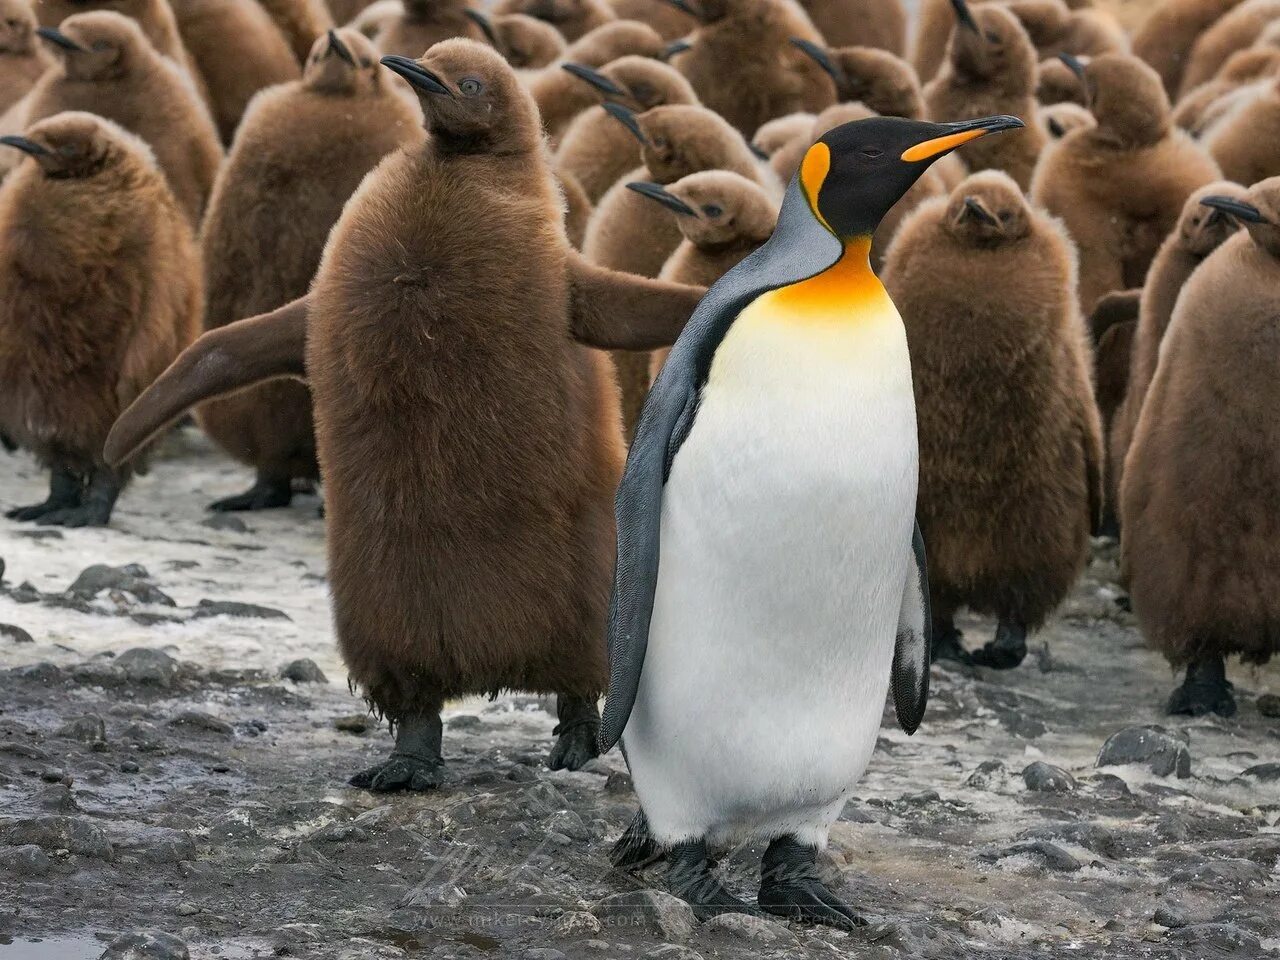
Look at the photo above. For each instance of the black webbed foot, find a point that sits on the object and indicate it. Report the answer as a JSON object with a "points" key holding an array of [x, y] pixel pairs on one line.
{"points": [[1007, 650], [415, 764], [948, 644], [65, 492], [1206, 689], [263, 495], [689, 877], [575, 733], [94, 513], [791, 887]]}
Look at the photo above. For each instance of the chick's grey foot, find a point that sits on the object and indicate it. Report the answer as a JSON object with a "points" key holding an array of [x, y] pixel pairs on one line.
{"points": [[1205, 689], [948, 644], [263, 495], [415, 764], [65, 492], [791, 887], [689, 877], [575, 733], [1007, 650]]}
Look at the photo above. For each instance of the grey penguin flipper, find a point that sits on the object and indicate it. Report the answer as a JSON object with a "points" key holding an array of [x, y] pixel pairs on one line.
{"points": [[910, 677], [800, 248]]}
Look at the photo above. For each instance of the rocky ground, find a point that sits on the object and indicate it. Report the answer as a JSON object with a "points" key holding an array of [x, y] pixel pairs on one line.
{"points": [[165, 778]]}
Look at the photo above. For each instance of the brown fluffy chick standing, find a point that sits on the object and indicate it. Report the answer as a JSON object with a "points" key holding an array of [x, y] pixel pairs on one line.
{"points": [[870, 23], [990, 68], [744, 65], [524, 42], [1200, 231], [101, 291], [573, 18], [596, 149], [1235, 31], [665, 17], [1170, 30], [155, 17], [1055, 28], [1246, 143], [110, 69], [306, 145], [1201, 541], [882, 80], [420, 23], [238, 50], [22, 57], [1244, 74], [301, 21], [1120, 186], [467, 423], [1010, 445]]}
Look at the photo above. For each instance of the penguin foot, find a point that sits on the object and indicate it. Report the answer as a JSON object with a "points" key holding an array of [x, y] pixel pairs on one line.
{"points": [[1206, 689], [1007, 650], [263, 495], [91, 514], [948, 644], [65, 492], [401, 772], [636, 848], [575, 733], [791, 887], [689, 877]]}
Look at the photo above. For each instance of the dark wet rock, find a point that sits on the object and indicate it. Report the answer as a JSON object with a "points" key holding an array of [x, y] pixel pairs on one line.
{"points": [[465, 721], [129, 766], [1223, 874], [25, 592], [131, 579], [225, 521], [519, 773], [922, 799], [87, 729], [143, 737], [26, 860], [1172, 915], [151, 844], [146, 945], [1046, 778], [57, 798], [203, 722], [1263, 772], [1107, 785], [42, 673], [304, 671], [1152, 746], [9, 631], [576, 923], [1092, 836], [1016, 713], [569, 824], [543, 798], [1053, 856], [660, 912], [98, 673], [146, 665], [1269, 705], [1217, 936], [988, 775], [434, 894], [232, 608], [357, 723], [59, 833], [618, 782], [671, 951], [740, 926]]}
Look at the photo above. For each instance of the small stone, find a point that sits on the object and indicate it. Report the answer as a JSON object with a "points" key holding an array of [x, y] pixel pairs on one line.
{"points": [[1046, 778], [231, 608], [44, 673], [128, 766], [87, 729], [1054, 857], [225, 521], [1153, 746], [671, 951], [576, 923], [148, 666], [1109, 785], [618, 782], [27, 860], [10, 632], [146, 945], [543, 953], [356, 723], [465, 721], [519, 773], [186, 909], [304, 671], [1269, 705], [57, 798], [988, 775], [98, 673], [744, 927], [199, 720], [668, 916], [142, 736], [569, 824], [1171, 915], [59, 833], [1263, 772], [1217, 936], [131, 579]]}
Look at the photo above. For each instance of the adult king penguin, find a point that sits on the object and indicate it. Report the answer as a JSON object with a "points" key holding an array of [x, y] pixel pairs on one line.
{"points": [[775, 462]]}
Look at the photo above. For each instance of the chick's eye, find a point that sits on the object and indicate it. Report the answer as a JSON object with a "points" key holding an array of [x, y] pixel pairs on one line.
{"points": [[1005, 216], [366, 62], [711, 210], [660, 142], [471, 86]]}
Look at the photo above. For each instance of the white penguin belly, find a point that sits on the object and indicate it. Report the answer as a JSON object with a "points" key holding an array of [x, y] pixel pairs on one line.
{"points": [[786, 532]]}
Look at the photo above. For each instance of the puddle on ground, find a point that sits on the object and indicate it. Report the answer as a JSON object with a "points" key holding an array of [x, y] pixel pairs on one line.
{"points": [[50, 948]]}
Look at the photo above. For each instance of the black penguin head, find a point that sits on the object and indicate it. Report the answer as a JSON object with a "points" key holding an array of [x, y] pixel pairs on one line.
{"points": [[853, 174]]}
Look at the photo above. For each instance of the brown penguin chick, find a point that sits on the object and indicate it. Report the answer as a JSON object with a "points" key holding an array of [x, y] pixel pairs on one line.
{"points": [[1199, 109], [1165, 38], [577, 208], [421, 23], [596, 148], [524, 42], [744, 65], [722, 216], [1119, 186], [777, 133], [1010, 446], [110, 69], [1059, 119], [617, 38], [238, 51], [990, 69], [22, 57], [870, 23], [667, 18], [155, 17], [345, 11], [573, 18], [1058, 83], [882, 80], [1199, 232], [1201, 538], [933, 29], [101, 291], [307, 145], [1113, 326], [628, 232], [1055, 28], [1246, 143], [301, 21], [1236, 31], [466, 423]]}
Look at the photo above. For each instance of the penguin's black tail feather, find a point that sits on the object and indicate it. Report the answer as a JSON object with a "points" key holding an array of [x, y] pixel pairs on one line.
{"points": [[636, 848]]}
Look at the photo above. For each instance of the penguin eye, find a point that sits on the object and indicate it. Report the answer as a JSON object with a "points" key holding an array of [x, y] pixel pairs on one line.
{"points": [[471, 87], [712, 211], [1005, 216], [871, 153], [994, 38], [660, 142]]}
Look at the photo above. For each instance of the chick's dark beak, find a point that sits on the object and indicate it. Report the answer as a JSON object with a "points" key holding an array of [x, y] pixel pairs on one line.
{"points": [[954, 135], [964, 16], [59, 39], [821, 57], [340, 48], [977, 210], [655, 191], [484, 23], [1242, 211], [25, 145], [628, 120], [675, 47], [684, 6], [417, 75], [597, 80]]}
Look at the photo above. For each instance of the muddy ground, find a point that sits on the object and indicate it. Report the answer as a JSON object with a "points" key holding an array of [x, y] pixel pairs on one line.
{"points": [[157, 773]]}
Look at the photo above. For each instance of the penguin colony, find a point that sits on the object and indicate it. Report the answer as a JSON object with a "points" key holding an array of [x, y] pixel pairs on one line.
{"points": [[890, 240]]}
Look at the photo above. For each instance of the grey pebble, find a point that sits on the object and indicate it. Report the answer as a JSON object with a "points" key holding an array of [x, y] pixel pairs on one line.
{"points": [[146, 665], [199, 720], [1269, 705], [225, 521], [744, 927], [1219, 936], [1153, 746], [87, 729], [304, 671], [147, 945], [1263, 772], [27, 860], [1046, 778], [655, 910], [231, 608], [1171, 915], [15, 633], [131, 578], [59, 833]]}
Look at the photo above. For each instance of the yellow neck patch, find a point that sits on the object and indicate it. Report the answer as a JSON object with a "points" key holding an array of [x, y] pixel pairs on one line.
{"points": [[813, 171], [847, 288]]}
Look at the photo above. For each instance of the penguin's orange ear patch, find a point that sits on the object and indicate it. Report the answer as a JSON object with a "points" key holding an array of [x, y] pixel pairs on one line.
{"points": [[813, 171], [931, 148]]}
